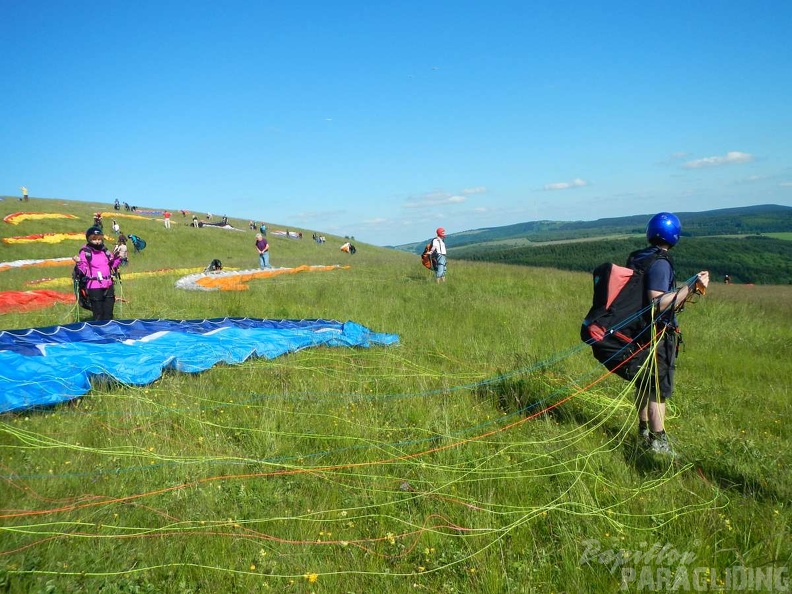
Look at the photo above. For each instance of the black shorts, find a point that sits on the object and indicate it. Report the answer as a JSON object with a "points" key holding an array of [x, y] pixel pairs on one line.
{"points": [[649, 382]]}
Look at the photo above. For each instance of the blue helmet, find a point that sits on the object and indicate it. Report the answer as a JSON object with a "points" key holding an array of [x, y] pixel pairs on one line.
{"points": [[664, 227]]}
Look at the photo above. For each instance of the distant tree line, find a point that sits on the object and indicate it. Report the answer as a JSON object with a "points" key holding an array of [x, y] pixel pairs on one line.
{"points": [[753, 259], [750, 220]]}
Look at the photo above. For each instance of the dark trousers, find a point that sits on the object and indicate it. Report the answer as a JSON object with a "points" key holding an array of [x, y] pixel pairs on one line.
{"points": [[665, 357], [102, 303]]}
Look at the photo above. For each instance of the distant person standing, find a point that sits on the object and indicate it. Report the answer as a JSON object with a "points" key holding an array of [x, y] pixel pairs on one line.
{"points": [[24, 193], [438, 254], [116, 227], [121, 250], [263, 250], [167, 216]]}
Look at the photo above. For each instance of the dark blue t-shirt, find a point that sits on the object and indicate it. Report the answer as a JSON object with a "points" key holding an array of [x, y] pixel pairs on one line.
{"points": [[658, 277]]}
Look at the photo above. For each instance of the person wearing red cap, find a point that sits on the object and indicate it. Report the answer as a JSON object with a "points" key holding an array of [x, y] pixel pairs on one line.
{"points": [[439, 255]]}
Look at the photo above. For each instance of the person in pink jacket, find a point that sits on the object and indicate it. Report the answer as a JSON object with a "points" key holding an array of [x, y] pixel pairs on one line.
{"points": [[99, 266]]}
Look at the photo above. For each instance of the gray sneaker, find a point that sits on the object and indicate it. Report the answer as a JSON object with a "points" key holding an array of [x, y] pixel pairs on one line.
{"points": [[644, 438], [660, 445]]}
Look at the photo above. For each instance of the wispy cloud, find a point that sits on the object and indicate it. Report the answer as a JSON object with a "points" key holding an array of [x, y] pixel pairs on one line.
{"points": [[730, 158], [434, 199], [673, 159], [476, 190], [575, 183], [786, 184], [751, 179]]}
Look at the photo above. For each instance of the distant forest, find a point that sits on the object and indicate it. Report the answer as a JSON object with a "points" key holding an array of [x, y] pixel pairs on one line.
{"points": [[752, 259], [748, 220], [726, 241]]}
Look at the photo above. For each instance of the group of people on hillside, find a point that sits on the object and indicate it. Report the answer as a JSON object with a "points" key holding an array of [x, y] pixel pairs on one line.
{"points": [[117, 206]]}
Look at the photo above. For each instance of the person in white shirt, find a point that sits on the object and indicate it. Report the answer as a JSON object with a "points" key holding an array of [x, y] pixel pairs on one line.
{"points": [[439, 255]]}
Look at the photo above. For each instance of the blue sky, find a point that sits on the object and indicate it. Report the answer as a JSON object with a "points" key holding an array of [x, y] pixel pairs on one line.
{"points": [[385, 120]]}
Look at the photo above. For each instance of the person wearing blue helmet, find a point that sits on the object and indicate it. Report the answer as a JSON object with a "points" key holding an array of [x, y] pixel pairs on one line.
{"points": [[656, 383]]}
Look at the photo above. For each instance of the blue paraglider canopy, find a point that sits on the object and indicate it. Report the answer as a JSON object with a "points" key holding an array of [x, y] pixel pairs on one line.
{"points": [[45, 366]]}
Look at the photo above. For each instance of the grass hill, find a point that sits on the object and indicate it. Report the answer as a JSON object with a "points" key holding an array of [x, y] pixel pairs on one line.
{"points": [[487, 452]]}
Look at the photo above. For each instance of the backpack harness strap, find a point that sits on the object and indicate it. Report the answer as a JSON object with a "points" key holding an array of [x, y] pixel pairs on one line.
{"points": [[89, 258]]}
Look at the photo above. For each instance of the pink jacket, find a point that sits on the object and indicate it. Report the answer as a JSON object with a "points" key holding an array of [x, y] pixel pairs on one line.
{"points": [[97, 266]]}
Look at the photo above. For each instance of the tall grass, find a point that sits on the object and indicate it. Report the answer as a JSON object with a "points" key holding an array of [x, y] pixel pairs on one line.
{"points": [[485, 453]]}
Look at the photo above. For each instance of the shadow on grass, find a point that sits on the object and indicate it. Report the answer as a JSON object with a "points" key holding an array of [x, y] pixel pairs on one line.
{"points": [[531, 394], [535, 394], [719, 470]]}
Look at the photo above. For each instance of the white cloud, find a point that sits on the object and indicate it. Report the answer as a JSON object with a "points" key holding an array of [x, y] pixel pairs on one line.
{"points": [[786, 184], [729, 158], [751, 179], [575, 183], [433, 200], [476, 190]]}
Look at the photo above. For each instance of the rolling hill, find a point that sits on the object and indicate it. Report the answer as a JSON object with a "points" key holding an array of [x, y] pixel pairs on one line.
{"points": [[732, 241], [768, 218]]}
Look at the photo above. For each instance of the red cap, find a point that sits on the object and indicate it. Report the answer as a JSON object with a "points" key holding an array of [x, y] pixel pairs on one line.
{"points": [[440, 232]]}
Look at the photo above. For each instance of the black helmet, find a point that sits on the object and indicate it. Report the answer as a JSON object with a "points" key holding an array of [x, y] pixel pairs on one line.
{"points": [[93, 231]]}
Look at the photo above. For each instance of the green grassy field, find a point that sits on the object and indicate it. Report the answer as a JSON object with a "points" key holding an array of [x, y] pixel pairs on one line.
{"points": [[485, 453]]}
